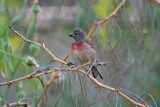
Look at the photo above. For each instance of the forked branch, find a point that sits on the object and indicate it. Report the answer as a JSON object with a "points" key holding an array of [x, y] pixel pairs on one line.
{"points": [[75, 69]]}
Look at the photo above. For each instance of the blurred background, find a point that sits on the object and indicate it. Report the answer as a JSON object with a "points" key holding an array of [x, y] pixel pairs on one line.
{"points": [[130, 42]]}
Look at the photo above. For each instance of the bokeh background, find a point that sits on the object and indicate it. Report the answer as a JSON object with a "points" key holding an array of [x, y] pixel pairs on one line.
{"points": [[130, 42]]}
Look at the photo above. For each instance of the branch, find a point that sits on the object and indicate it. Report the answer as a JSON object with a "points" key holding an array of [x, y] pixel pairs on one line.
{"points": [[41, 45], [47, 85], [114, 13], [55, 75], [17, 104], [78, 69], [29, 76], [36, 74], [112, 89], [66, 56]]}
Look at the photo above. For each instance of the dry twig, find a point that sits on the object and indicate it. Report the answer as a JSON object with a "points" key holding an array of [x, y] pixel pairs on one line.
{"points": [[35, 75], [29, 76], [17, 104], [77, 69], [114, 13], [47, 85], [41, 45]]}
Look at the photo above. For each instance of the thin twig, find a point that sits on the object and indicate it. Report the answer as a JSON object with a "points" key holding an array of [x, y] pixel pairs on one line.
{"points": [[47, 85], [41, 45], [29, 76], [17, 104], [152, 99], [114, 13], [37, 74], [134, 95], [78, 68]]}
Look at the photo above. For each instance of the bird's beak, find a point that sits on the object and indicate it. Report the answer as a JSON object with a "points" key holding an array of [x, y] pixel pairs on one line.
{"points": [[71, 34]]}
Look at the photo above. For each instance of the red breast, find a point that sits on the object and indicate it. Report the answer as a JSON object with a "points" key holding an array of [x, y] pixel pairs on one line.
{"points": [[82, 52], [79, 46]]}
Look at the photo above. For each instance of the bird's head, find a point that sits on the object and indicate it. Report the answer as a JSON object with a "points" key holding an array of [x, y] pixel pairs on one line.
{"points": [[78, 35]]}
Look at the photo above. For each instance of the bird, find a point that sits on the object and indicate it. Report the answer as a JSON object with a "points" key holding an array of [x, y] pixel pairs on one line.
{"points": [[82, 51]]}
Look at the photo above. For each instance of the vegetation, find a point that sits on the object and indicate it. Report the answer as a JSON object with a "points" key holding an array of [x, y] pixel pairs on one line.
{"points": [[129, 41]]}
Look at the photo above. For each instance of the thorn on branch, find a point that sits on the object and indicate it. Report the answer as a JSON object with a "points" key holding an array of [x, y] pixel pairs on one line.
{"points": [[117, 90], [43, 45]]}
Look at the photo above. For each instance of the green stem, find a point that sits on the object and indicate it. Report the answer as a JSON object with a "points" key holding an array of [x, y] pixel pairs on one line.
{"points": [[10, 54], [23, 50]]}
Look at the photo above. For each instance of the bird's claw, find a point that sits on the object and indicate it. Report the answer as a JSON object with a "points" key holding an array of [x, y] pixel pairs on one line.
{"points": [[99, 64], [70, 64]]}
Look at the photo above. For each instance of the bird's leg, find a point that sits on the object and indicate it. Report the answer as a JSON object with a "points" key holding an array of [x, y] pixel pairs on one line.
{"points": [[89, 71]]}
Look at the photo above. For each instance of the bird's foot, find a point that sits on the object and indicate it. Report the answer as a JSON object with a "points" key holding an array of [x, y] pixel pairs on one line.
{"points": [[72, 64]]}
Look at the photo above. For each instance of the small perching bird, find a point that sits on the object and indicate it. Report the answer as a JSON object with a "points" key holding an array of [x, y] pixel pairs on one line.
{"points": [[82, 51]]}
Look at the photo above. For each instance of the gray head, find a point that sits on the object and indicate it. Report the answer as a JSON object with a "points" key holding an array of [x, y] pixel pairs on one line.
{"points": [[78, 35]]}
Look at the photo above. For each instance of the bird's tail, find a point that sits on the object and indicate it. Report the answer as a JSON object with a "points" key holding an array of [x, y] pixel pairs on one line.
{"points": [[95, 72]]}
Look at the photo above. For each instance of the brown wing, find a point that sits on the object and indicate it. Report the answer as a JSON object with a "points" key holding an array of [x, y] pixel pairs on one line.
{"points": [[92, 52], [88, 42]]}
